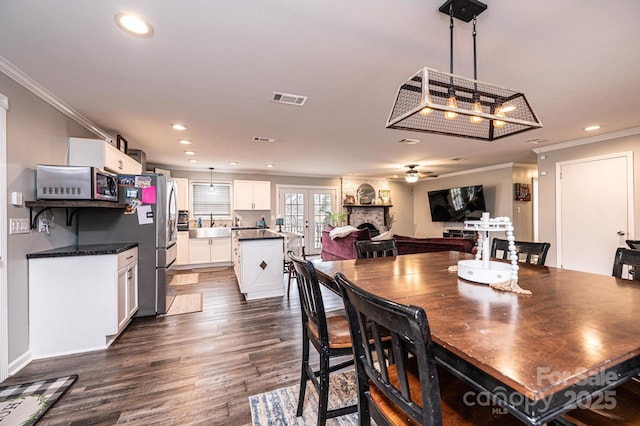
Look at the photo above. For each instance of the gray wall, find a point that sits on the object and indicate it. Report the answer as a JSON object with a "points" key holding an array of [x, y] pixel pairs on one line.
{"points": [[547, 183], [498, 188], [36, 134]]}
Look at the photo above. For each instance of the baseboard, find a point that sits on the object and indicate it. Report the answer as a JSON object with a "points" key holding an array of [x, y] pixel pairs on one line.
{"points": [[19, 363]]}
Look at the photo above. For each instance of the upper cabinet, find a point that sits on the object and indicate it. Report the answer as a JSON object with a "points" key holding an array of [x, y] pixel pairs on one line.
{"points": [[183, 193], [251, 195], [101, 154]]}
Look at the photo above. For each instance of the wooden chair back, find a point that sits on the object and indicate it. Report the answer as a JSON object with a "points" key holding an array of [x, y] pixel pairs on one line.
{"points": [[633, 244], [631, 259], [534, 253], [371, 248], [371, 318], [310, 296]]}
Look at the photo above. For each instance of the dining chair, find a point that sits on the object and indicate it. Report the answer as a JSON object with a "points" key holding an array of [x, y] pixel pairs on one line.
{"points": [[535, 253], [634, 244], [328, 332], [412, 390], [376, 248], [626, 257]]}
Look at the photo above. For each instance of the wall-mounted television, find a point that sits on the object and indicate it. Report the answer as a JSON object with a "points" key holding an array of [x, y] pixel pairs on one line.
{"points": [[457, 204]]}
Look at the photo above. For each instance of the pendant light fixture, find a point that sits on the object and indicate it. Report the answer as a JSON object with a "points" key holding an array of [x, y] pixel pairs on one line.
{"points": [[443, 103], [412, 175], [211, 187]]}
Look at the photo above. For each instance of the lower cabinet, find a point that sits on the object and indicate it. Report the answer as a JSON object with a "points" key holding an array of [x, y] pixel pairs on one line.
{"points": [[80, 303], [183, 248], [209, 250]]}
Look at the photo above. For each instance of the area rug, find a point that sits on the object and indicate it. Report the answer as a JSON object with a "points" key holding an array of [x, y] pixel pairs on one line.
{"points": [[185, 304], [24, 404], [185, 279], [278, 407]]}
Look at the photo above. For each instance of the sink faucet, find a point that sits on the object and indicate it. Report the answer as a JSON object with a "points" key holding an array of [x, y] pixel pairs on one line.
{"points": [[211, 221]]}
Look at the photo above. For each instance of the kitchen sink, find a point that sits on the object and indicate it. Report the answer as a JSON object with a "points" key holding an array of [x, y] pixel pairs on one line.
{"points": [[213, 232]]}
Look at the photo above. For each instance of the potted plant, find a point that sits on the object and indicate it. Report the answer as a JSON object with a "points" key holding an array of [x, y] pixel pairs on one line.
{"points": [[336, 219]]}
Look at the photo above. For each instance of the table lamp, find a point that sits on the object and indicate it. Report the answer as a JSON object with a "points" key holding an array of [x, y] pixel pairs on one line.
{"points": [[279, 222]]}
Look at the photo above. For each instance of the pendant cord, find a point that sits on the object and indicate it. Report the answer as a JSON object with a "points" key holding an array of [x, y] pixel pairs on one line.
{"points": [[451, 90], [475, 64]]}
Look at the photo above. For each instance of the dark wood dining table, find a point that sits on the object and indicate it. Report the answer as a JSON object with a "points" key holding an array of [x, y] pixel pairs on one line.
{"points": [[569, 343]]}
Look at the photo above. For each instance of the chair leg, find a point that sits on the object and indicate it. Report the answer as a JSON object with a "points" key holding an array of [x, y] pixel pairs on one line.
{"points": [[303, 373], [323, 392], [291, 275]]}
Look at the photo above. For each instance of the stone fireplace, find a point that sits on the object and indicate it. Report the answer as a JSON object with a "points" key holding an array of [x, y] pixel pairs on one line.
{"points": [[369, 216]]}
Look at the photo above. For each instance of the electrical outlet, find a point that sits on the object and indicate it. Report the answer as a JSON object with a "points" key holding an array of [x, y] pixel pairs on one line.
{"points": [[19, 226]]}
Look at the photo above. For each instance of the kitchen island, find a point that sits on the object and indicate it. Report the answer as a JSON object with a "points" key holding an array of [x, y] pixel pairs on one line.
{"points": [[81, 297], [258, 260]]}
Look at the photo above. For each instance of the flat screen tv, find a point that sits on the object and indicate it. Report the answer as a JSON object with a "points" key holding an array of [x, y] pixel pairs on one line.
{"points": [[457, 204]]}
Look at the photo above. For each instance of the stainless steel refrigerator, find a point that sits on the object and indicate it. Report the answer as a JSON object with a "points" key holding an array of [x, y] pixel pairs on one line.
{"points": [[153, 225]]}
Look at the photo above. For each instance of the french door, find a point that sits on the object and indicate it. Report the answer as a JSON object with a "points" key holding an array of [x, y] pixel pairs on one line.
{"points": [[304, 210]]}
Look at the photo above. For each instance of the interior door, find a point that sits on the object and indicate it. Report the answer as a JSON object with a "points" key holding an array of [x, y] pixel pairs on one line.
{"points": [[595, 209], [304, 212]]}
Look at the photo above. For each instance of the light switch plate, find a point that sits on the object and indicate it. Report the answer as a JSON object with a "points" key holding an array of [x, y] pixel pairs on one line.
{"points": [[19, 226]]}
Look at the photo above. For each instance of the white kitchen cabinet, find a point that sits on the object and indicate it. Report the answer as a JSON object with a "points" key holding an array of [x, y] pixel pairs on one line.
{"points": [[183, 248], [251, 195], [80, 303], [183, 193], [258, 263], [101, 154], [209, 250]]}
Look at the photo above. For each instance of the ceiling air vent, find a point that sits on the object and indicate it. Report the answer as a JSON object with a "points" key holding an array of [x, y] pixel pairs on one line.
{"points": [[263, 139], [407, 141], [289, 99]]}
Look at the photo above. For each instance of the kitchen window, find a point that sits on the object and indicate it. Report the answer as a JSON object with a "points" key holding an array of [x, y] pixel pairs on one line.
{"points": [[211, 199]]}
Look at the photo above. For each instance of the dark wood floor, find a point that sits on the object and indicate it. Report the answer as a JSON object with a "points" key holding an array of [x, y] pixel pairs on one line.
{"points": [[189, 369]]}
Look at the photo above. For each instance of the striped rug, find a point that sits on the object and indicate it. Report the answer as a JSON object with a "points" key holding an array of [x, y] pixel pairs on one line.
{"points": [[278, 407], [25, 403]]}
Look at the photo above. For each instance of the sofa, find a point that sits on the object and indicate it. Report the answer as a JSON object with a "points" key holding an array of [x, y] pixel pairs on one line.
{"points": [[344, 248]]}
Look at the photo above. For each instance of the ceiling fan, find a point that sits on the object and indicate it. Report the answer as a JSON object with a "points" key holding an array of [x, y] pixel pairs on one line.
{"points": [[412, 175]]}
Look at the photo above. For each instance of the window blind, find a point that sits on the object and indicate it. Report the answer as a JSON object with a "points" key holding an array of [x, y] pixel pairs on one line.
{"points": [[216, 202]]}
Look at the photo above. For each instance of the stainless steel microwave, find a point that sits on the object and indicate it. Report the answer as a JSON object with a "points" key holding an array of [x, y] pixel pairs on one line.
{"points": [[75, 183]]}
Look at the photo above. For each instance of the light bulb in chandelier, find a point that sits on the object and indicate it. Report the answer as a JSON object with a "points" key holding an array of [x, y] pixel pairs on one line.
{"points": [[499, 113], [451, 103], [426, 110], [476, 107]]}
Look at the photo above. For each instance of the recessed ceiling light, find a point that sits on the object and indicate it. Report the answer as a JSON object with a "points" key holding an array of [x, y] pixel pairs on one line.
{"points": [[193, 160], [178, 126], [134, 25], [190, 153], [592, 128], [270, 165], [185, 142], [263, 139], [233, 163]]}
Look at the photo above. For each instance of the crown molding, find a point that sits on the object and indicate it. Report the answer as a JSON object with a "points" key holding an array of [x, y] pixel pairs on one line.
{"points": [[591, 139], [478, 170], [28, 83]]}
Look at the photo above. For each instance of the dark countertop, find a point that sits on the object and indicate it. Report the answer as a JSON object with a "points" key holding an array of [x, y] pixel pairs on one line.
{"points": [[241, 228], [257, 234], [83, 250]]}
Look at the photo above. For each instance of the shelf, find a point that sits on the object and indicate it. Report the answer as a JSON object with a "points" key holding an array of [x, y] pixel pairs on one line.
{"points": [[45, 205]]}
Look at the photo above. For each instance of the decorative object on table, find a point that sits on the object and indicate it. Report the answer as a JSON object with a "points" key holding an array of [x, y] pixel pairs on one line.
{"points": [[498, 275], [280, 222], [366, 194], [349, 199], [25, 404], [522, 191], [122, 144], [278, 407], [430, 100]]}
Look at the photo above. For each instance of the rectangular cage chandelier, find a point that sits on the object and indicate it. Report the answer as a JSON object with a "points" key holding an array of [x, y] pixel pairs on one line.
{"points": [[433, 101]]}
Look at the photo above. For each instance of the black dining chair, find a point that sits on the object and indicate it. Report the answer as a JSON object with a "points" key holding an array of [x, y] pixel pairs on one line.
{"points": [[633, 244], [376, 248], [535, 253], [629, 258], [328, 332], [412, 390]]}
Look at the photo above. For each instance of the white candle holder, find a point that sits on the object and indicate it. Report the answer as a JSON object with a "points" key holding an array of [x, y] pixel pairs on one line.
{"points": [[482, 270]]}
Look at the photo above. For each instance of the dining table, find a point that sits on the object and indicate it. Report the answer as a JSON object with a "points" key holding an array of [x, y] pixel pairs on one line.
{"points": [[567, 345]]}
